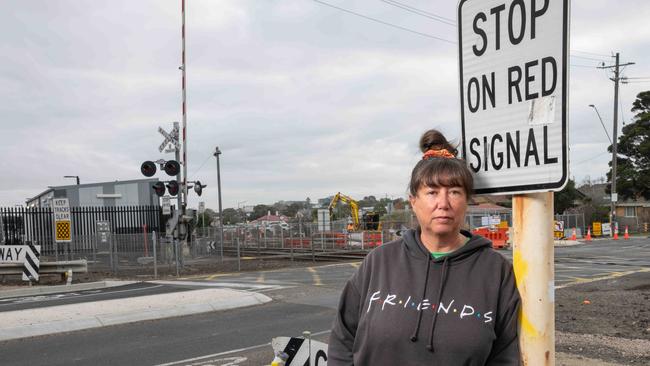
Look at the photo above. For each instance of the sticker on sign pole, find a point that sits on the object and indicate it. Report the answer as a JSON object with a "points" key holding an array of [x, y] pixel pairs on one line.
{"points": [[513, 59]]}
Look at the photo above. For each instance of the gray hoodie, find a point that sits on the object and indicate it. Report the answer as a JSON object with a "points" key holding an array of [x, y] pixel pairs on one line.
{"points": [[402, 307]]}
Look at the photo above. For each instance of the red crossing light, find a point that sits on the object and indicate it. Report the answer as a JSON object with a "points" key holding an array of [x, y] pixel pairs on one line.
{"points": [[159, 188], [172, 187], [172, 167], [148, 168]]}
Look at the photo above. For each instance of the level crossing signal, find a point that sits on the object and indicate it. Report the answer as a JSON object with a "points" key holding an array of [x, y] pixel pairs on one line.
{"points": [[172, 187], [198, 187], [159, 188], [148, 168], [172, 167]]}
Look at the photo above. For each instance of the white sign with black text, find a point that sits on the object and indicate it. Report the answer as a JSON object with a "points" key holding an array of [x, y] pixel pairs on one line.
{"points": [[166, 206], [513, 58]]}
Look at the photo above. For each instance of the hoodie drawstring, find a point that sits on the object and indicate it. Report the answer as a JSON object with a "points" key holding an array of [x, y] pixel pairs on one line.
{"points": [[443, 279], [414, 337]]}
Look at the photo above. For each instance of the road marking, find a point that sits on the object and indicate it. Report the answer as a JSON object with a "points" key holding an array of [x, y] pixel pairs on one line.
{"points": [[228, 353], [315, 276], [283, 270], [231, 285], [209, 362], [260, 278], [594, 279], [212, 277]]}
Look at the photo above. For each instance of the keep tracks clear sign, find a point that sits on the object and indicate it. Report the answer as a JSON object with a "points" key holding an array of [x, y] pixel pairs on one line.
{"points": [[513, 58], [62, 220]]}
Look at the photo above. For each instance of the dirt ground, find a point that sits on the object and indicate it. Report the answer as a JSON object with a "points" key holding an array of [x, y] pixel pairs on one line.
{"points": [[600, 323], [607, 320]]}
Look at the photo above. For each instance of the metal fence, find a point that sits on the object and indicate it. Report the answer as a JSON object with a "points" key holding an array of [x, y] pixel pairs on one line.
{"points": [[35, 224]]}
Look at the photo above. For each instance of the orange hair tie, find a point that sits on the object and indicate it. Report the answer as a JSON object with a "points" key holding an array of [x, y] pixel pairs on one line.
{"points": [[442, 153]]}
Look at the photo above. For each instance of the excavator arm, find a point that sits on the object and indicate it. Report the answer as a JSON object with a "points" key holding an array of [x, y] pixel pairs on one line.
{"points": [[354, 207]]}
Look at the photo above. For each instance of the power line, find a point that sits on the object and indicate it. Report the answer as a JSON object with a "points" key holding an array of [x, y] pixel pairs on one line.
{"points": [[421, 12], [592, 158], [384, 23], [202, 164], [587, 66], [437, 18], [588, 58], [591, 53]]}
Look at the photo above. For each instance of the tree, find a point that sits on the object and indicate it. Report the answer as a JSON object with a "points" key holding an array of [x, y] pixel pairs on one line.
{"points": [[566, 198], [633, 162], [259, 211], [293, 209], [231, 216], [204, 219]]}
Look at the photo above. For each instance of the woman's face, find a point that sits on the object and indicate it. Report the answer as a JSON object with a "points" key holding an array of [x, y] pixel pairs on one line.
{"points": [[440, 210]]}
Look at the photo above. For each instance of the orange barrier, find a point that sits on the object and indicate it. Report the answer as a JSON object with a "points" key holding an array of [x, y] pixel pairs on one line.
{"points": [[371, 239], [499, 237], [297, 242]]}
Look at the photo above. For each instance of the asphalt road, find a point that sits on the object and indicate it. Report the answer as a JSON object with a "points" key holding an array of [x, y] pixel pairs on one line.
{"points": [[304, 299]]}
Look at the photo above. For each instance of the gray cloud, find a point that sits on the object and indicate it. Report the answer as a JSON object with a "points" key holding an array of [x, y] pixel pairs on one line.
{"points": [[303, 100]]}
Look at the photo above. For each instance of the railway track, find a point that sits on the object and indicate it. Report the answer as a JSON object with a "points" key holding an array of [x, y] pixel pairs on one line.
{"points": [[250, 253]]}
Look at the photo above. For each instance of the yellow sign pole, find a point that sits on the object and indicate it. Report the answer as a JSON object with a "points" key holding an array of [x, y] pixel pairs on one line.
{"points": [[533, 258]]}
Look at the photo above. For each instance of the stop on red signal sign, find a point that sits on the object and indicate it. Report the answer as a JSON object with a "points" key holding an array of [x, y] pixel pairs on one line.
{"points": [[513, 59]]}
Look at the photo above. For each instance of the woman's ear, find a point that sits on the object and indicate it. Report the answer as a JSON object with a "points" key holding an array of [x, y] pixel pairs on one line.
{"points": [[411, 200]]}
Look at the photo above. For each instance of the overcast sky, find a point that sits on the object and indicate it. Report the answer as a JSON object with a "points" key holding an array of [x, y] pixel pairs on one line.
{"points": [[304, 100]]}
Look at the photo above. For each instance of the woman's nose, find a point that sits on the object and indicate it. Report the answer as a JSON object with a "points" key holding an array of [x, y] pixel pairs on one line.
{"points": [[443, 200]]}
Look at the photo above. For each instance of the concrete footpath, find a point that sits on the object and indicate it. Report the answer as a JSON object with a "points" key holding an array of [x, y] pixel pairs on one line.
{"points": [[66, 318]]}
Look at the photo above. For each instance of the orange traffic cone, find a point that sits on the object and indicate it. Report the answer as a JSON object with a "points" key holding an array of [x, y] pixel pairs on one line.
{"points": [[627, 235], [573, 234], [588, 233]]}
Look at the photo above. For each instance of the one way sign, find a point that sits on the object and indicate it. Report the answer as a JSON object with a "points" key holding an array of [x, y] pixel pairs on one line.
{"points": [[29, 255]]}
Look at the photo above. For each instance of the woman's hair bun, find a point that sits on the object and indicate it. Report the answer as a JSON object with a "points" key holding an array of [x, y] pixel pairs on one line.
{"points": [[435, 140]]}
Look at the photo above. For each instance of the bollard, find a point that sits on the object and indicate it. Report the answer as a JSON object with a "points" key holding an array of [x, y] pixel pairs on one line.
{"points": [[155, 258], [307, 335], [68, 277]]}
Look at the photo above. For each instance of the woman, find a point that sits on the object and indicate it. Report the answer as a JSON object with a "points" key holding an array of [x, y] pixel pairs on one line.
{"points": [[437, 296]]}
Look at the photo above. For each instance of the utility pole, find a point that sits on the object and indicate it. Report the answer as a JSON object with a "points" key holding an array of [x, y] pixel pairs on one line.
{"points": [[184, 133], [614, 196], [217, 152]]}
